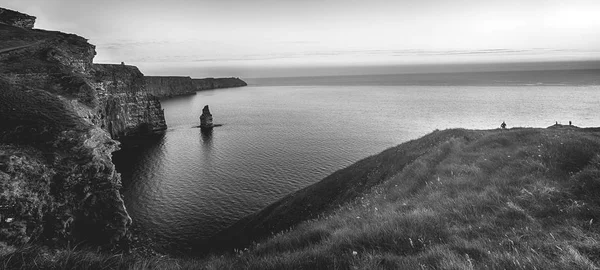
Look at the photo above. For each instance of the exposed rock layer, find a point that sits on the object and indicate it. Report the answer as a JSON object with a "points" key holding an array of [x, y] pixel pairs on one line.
{"points": [[165, 86], [15, 18], [127, 108], [206, 119], [113, 97], [169, 86], [215, 83], [57, 179], [58, 113]]}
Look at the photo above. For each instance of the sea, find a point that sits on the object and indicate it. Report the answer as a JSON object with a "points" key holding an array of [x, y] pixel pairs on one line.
{"points": [[279, 135]]}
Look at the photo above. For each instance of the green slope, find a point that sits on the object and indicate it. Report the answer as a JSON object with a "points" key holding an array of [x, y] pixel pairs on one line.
{"points": [[515, 199], [454, 199]]}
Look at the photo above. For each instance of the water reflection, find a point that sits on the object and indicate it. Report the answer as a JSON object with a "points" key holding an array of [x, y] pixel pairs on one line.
{"points": [[206, 135], [192, 183], [139, 156]]}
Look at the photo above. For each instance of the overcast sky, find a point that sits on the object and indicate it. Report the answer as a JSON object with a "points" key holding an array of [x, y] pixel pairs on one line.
{"points": [[233, 35]]}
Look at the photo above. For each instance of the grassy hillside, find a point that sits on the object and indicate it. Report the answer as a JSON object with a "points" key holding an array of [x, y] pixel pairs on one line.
{"points": [[337, 189], [460, 199]]}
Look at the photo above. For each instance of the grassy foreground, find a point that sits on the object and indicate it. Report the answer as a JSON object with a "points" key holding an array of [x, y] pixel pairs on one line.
{"points": [[512, 199]]}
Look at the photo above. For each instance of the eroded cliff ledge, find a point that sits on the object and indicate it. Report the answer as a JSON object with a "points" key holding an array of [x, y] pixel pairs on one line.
{"points": [[15, 18], [60, 114], [128, 109], [170, 86], [216, 83]]}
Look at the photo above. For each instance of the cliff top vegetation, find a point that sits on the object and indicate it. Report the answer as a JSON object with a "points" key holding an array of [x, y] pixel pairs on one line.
{"points": [[524, 198]]}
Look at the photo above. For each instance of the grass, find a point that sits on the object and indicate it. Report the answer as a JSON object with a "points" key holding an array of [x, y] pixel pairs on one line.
{"points": [[337, 189], [34, 117], [454, 199]]}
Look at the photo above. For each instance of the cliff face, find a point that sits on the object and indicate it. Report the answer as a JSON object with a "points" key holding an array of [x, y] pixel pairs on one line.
{"points": [[214, 83], [58, 114], [112, 97], [57, 179], [165, 86], [15, 18], [169, 86], [127, 108]]}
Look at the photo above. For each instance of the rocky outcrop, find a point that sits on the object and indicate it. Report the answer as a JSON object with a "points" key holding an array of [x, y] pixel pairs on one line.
{"points": [[126, 108], [15, 18], [215, 83], [59, 116], [170, 86], [112, 97], [206, 119], [57, 179]]}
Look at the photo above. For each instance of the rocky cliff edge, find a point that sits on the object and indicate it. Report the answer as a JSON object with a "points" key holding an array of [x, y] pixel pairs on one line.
{"points": [[60, 114], [169, 86]]}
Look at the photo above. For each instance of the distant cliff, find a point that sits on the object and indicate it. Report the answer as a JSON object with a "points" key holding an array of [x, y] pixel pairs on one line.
{"points": [[214, 83], [59, 116], [169, 86], [128, 109]]}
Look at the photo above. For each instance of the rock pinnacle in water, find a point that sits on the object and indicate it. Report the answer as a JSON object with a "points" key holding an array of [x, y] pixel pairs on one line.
{"points": [[206, 119]]}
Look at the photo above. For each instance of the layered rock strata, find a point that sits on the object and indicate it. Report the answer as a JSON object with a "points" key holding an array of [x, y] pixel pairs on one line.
{"points": [[206, 119], [113, 97], [57, 179], [216, 83], [127, 108], [15, 18], [59, 116], [170, 86]]}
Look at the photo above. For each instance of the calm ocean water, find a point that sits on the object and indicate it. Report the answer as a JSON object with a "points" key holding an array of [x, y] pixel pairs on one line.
{"points": [[279, 137]]}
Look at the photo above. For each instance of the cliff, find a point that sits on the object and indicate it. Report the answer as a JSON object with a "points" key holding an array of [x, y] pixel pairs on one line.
{"points": [[59, 116], [57, 179], [15, 18], [127, 107], [110, 96], [215, 83], [169, 86]]}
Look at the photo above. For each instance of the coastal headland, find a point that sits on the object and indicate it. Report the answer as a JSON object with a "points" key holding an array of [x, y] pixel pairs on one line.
{"points": [[518, 198], [62, 117], [170, 86]]}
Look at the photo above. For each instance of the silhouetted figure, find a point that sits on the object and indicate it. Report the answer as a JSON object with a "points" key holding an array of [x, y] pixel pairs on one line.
{"points": [[570, 124], [503, 125], [557, 123]]}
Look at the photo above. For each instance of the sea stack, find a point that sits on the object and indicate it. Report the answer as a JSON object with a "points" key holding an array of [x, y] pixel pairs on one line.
{"points": [[206, 119]]}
